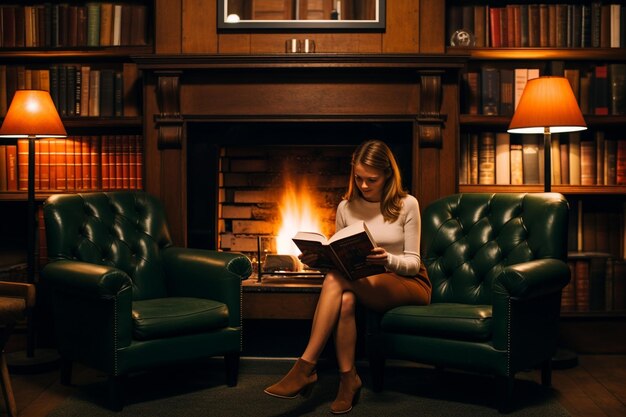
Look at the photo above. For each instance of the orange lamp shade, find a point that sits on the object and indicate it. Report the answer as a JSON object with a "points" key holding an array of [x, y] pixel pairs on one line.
{"points": [[32, 114], [547, 102]]}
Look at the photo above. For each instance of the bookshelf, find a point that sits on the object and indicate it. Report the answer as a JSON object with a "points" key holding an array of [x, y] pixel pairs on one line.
{"points": [[587, 169], [81, 53]]}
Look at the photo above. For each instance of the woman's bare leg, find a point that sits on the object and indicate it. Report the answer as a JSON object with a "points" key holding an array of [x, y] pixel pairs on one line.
{"points": [[326, 315], [377, 292], [345, 332]]}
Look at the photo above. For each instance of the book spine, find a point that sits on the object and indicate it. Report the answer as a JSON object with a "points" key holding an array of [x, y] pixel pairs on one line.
{"points": [[43, 153], [617, 82], [600, 89], [530, 153], [94, 162], [105, 162], [555, 146], [84, 89], [118, 94], [564, 156], [139, 166], [3, 168], [490, 83], [61, 164], [107, 81], [22, 164], [473, 159], [106, 24], [93, 24], [12, 174], [486, 158], [503, 165], [587, 162], [70, 163], [85, 162]]}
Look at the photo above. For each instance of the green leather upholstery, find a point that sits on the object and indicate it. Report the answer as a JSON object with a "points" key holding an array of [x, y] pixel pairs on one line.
{"points": [[125, 299], [497, 263]]}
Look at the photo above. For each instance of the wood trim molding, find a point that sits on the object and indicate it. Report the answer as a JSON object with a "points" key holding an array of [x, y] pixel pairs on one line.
{"points": [[169, 122]]}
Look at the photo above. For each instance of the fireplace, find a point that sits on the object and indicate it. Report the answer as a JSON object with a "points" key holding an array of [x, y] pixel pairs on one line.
{"points": [[250, 183], [202, 111]]}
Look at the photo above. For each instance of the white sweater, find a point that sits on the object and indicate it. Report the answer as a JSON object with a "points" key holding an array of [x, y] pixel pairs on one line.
{"points": [[401, 239]]}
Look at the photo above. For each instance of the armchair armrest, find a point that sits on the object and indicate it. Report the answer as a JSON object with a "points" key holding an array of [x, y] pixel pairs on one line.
{"points": [[208, 274], [88, 279], [527, 296], [92, 303], [532, 279]]}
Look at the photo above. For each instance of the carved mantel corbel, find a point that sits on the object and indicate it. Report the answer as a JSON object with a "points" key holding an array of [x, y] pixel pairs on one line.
{"points": [[169, 122], [430, 121]]}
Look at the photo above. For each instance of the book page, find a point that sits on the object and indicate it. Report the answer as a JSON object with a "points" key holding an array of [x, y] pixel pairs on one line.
{"points": [[312, 236], [353, 229]]}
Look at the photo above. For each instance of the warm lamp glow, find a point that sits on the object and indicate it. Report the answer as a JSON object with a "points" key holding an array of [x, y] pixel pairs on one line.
{"points": [[32, 114], [547, 106], [547, 102]]}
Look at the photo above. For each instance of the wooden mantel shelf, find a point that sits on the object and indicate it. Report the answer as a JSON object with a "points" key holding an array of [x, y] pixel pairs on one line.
{"points": [[300, 60]]}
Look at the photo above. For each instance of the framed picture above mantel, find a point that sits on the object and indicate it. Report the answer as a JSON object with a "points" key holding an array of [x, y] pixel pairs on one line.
{"points": [[325, 15]]}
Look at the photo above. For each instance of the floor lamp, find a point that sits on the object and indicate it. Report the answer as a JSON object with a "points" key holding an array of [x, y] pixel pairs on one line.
{"points": [[32, 115], [547, 106]]}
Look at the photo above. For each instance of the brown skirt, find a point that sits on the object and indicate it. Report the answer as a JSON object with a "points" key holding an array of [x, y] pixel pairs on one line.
{"points": [[388, 290]]}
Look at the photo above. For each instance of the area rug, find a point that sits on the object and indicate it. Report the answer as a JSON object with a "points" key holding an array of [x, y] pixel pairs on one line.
{"points": [[409, 391]]}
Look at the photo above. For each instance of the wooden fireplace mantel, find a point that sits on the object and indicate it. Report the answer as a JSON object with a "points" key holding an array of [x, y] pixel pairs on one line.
{"points": [[221, 61], [414, 88]]}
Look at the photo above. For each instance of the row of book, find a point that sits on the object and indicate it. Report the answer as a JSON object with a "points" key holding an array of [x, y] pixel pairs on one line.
{"points": [[599, 89], [76, 163], [554, 25], [598, 283], [501, 158], [62, 25], [597, 225], [77, 90]]}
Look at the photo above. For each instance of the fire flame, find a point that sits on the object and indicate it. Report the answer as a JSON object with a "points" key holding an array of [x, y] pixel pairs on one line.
{"points": [[298, 212]]}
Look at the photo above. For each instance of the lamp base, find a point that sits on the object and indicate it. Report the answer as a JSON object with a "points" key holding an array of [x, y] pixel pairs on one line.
{"points": [[42, 360]]}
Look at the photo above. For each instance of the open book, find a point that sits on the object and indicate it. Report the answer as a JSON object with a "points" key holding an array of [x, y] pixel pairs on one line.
{"points": [[346, 250]]}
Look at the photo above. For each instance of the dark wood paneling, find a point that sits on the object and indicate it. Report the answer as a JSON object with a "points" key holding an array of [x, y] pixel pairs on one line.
{"points": [[432, 26], [199, 33], [402, 34], [168, 30]]}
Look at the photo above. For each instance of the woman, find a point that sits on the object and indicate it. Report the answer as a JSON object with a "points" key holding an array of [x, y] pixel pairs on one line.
{"points": [[374, 195]]}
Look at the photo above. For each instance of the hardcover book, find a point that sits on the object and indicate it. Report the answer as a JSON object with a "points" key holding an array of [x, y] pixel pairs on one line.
{"points": [[346, 250]]}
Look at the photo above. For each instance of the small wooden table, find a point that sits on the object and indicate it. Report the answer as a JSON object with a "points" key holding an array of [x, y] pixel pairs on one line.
{"points": [[280, 298]]}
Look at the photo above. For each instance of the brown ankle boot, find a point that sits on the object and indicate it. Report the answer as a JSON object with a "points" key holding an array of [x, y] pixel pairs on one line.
{"points": [[349, 390], [299, 380]]}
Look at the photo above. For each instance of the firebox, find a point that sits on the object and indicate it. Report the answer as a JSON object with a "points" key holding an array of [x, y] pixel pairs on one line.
{"points": [[253, 185]]}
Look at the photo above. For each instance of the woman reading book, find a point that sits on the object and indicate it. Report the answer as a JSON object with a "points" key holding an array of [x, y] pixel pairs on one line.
{"points": [[375, 196]]}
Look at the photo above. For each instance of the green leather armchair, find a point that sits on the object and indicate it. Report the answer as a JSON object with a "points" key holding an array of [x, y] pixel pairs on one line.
{"points": [[497, 263], [125, 299]]}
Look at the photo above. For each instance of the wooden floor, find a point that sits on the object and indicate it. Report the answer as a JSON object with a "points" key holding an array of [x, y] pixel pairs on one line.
{"points": [[596, 387]]}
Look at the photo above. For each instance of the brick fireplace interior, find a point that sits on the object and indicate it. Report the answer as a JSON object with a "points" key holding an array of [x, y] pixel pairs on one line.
{"points": [[238, 172]]}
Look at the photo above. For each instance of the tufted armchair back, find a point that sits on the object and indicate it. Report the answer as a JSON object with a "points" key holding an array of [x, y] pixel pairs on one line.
{"points": [[468, 239], [126, 230]]}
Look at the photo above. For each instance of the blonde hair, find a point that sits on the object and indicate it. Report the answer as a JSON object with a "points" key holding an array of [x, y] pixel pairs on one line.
{"points": [[376, 154]]}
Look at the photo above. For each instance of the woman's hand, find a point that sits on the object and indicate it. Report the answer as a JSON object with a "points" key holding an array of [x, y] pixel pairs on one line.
{"points": [[309, 259], [378, 256]]}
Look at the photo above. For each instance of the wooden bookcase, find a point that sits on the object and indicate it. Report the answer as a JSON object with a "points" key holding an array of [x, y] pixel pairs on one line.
{"points": [[81, 53], [597, 197]]}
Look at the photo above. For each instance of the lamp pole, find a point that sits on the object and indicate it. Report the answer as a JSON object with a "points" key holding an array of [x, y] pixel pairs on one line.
{"points": [[547, 160], [31, 240]]}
